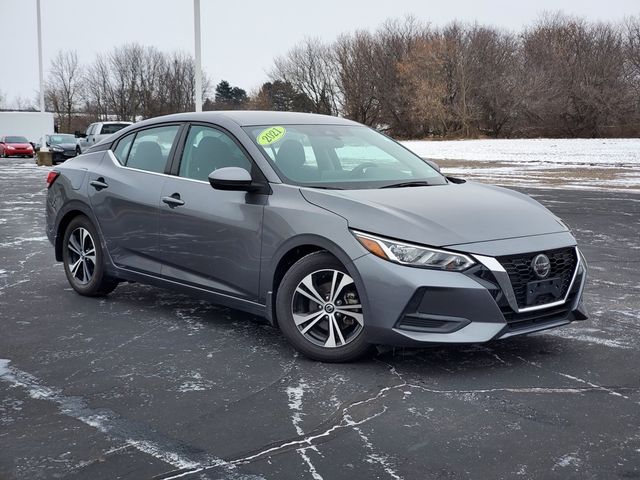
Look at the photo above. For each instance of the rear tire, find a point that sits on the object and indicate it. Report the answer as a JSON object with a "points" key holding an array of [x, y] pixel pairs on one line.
{"points": [[83, 259], [319, 310]]}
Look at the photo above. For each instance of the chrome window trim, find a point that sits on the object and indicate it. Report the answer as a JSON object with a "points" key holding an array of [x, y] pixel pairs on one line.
{"points": [[505, 282], [115, 161]]}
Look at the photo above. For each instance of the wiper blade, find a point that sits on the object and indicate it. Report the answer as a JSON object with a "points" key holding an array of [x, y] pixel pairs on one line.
{"points": [[416, 183], [323, 187]]}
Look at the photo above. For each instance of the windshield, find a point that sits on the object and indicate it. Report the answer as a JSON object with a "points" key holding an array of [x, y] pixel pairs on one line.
{"points": [[109, 128], [57, 139], [340, 156], [16, 140]]}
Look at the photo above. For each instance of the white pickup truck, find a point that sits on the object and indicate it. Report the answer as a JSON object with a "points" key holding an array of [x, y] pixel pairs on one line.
{"points": [[96, 132]]}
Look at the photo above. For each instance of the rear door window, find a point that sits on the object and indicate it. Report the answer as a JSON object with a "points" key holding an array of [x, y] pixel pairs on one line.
{"points": [[151, 148]]}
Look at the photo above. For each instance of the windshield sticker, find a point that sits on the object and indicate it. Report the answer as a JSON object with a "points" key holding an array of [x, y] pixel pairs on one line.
{"points": [[271, 135]]}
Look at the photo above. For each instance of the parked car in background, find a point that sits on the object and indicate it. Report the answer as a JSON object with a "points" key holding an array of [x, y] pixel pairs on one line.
{"points": [[96, 132], [61, 145], [336, 233], [15, 146]]}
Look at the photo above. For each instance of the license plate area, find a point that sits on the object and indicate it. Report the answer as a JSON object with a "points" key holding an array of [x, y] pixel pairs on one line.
{"points": [[551, 288]]}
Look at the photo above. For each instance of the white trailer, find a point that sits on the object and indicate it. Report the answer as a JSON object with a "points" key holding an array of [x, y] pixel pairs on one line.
{"points": [[32, 125]]}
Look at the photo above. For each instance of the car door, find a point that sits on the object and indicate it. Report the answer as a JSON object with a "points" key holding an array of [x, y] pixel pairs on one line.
{"points": [[83, 142], [211, 238], [91, 138], [124, 191]]}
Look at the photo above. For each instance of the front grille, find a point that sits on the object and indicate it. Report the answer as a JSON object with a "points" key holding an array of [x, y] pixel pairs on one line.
{"points": [[524, 320], [563, 263]]}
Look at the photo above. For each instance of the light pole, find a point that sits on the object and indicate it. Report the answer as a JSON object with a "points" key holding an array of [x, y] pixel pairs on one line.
{"points": [[196, 29], [40, 57]]}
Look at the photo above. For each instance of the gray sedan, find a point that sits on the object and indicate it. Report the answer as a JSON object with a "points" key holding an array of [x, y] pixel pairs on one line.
{"points": [[334, 232], [61, 145]]}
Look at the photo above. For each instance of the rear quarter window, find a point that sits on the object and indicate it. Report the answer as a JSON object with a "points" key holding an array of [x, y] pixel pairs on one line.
{"points": [[121, 152]]}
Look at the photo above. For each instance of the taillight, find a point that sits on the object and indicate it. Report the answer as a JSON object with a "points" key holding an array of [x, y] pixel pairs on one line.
{"points": [[52, 178]]}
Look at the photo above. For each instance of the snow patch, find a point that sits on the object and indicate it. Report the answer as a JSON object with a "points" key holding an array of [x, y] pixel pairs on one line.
{"points": [[568, 460], [570, 151], [295, 405], [195, 383]]}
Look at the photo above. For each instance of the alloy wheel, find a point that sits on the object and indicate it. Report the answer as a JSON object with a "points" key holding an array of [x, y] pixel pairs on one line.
{"points": [[81, 260], [326, 308]]}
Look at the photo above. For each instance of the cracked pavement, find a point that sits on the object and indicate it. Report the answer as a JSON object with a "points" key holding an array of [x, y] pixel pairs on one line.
{"points": [[148, 384]]}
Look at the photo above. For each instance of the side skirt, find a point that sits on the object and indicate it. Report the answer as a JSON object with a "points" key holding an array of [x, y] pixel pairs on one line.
{"points": [[214, 297]]}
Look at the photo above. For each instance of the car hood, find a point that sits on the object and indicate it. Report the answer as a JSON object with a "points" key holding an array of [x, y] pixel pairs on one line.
{"points": [[19, 145], [65, 146], [439, 215]]}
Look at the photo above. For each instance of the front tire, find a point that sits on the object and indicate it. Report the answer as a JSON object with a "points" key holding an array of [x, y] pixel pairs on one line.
{"points": [[319, 310], [84, 261]]}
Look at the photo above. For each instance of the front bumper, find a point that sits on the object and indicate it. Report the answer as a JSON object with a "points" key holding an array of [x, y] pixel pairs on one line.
{"points": [[61, 156], [412, 306], [19, 152]]}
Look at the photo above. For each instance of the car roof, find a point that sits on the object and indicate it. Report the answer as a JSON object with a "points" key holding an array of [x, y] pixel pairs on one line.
{"points": [[246, 118]]}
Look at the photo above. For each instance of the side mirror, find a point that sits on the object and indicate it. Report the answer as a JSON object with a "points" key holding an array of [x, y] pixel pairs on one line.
{"points": [[232, 178], [433, 165]]}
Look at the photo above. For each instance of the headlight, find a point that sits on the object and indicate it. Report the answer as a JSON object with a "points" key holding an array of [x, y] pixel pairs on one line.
{"points": [[413, 255], [55, 148]]}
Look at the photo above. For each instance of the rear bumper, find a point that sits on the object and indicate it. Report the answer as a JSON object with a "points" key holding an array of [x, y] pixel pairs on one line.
{"points": [[408, 306]]}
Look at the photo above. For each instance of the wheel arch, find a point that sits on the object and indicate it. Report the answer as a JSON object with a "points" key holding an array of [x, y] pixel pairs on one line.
{"points": [[71, 211], [292, 251]]}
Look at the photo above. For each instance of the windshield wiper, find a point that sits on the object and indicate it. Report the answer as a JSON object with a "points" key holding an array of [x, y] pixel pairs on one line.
{"points": [[415, 183], [323, 187]]}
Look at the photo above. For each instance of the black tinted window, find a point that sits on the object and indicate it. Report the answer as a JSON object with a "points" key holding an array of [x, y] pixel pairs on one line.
{"points": [[151, 148], [113, 128], [208, 149]]}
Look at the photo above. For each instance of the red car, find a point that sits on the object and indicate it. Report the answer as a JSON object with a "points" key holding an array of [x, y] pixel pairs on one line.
{"points": [[15, 147]]}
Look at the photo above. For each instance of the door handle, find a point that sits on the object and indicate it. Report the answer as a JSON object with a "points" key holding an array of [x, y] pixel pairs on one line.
{"points": [[173, 201], [98, 184]]}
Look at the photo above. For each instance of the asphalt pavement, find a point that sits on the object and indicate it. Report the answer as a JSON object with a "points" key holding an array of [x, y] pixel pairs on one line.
{"points": [[150, 384]]}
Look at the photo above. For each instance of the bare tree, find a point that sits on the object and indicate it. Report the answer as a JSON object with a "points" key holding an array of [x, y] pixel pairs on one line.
{"points": [[632, 69], [308, 67], [394, 41], [421, 79], [495, 72], [356, 88], [135, 81], [578, 80], [64, 86]]}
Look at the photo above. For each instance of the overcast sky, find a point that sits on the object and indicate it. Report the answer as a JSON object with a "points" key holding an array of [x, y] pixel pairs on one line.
{"points": [[239, 38]]}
